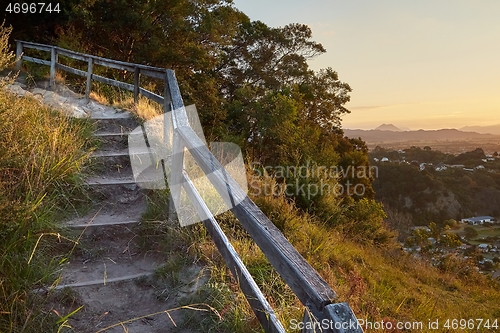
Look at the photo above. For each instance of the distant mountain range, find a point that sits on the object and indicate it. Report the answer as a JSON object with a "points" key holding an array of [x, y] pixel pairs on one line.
{"points": [[391, 133], [388, 127], [493, 129]]}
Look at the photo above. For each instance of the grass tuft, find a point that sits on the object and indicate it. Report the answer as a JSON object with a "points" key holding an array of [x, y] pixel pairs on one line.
{"points": [[42, 154]]}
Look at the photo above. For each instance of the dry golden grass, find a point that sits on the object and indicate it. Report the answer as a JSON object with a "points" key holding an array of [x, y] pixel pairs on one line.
{"points": [[41, 154], [144, 109], [379, 283]]}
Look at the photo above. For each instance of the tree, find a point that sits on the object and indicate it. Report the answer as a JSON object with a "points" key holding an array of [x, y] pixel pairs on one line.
{"points": [[41, 27], [399, 221], [470, 158], [470, 232], [451, 223], [324, 98], [420, 236], [450, 239], [274, 129], [365, 222], [226, 64], [250, 82], [267, 58], [435, 230], [187, 36], [263, 60]]}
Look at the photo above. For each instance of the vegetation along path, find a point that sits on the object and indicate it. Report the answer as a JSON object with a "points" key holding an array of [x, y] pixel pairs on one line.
{"points": [[109, 284]]}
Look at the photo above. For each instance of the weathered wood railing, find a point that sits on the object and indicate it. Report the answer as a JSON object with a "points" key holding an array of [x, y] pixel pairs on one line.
{"points": [[321, 314], [138, 70]]}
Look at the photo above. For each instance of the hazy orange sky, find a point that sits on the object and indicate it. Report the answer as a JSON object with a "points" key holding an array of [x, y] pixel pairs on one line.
{"points": [[417, 64]]}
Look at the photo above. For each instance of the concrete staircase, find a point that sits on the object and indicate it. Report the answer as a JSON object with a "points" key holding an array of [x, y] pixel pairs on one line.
{"points": [[109, 274], [109, 284]]}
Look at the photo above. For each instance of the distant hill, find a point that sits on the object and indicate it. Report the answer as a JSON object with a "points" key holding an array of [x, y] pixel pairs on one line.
{"points": [[493, 129], [388, 127], [385, 136], [437, 196]]}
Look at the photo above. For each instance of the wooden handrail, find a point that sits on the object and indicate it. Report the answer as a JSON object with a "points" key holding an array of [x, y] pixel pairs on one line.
{"points": [[311, 289], [91, 60]]}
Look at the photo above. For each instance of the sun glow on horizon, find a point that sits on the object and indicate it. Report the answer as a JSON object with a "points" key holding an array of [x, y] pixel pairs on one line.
{"points": [[420, 64]]}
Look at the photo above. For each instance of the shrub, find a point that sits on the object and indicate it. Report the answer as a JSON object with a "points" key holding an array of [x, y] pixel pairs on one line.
{"points": [[41, 153], [470, 232], [6, 56]]}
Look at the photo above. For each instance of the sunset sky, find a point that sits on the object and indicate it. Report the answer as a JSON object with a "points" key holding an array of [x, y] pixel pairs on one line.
{"points": [[418, 64]]}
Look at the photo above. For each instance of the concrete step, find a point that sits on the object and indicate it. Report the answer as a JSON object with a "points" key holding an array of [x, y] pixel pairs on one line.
{"points": [[105, 134], [112, 140], [114, 114], [107, 168], [103, 282], [110, 253], [114, 158], [108, 270], [112, 167], [134, 306], [106, 158], [126, 209], [111, 153], [115, 125], [119, 179], [104, 221]]}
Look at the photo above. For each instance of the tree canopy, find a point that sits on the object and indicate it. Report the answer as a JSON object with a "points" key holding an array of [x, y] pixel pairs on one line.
{"points": [[251, 83]]}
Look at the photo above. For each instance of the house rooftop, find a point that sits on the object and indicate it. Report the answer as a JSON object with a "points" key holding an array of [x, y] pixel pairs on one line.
{"points": [[479, 218]]}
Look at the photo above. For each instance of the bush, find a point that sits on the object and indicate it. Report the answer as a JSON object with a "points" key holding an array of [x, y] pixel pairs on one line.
{"points": [[365, 222], [6, 56], [451, 222], [41, 153], [470, 232]]}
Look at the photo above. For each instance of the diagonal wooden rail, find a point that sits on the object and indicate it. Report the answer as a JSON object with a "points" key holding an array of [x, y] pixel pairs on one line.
{"points": [[322, 314]]}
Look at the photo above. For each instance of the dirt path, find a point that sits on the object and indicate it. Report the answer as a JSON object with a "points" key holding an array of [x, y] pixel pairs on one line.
{"points": [[110, 277]]}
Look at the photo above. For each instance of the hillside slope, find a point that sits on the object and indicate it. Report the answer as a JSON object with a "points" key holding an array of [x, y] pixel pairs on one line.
{"points": [[430, 195]]}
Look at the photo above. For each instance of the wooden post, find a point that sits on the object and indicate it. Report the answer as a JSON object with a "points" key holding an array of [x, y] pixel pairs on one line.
{"points": [[136, 84], [256, 299], [53, 61], [19, 53], [336, 318], [89, 78], [176, 167], [308, 328], [177, 155]]}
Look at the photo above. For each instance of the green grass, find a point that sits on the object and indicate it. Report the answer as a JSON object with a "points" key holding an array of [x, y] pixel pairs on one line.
{"points": [[488, 231], [42, 154], [378, 282], [483, 233]]}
